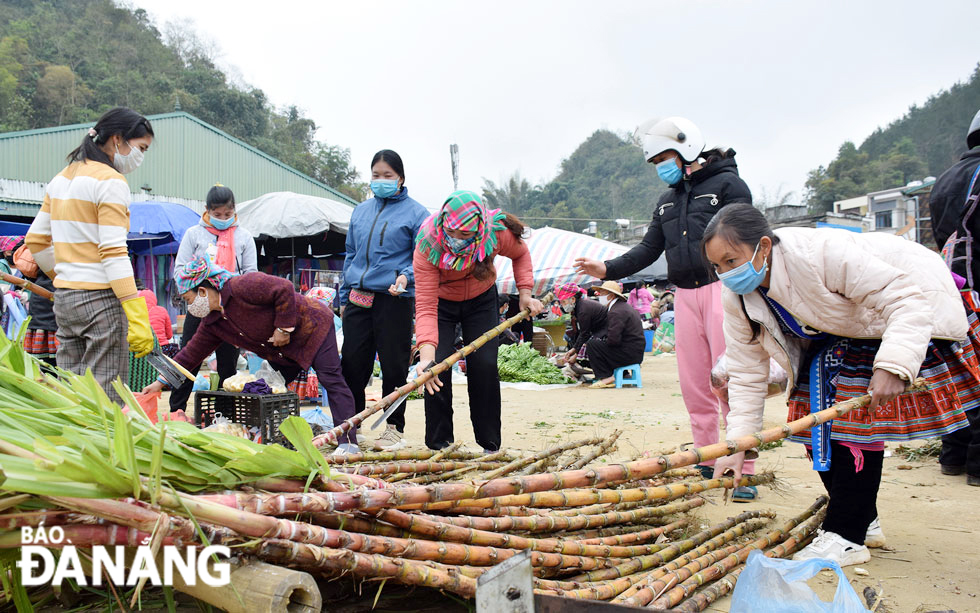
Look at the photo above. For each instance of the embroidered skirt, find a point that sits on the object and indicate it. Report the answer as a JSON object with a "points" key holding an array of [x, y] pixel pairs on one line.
{"points": [[951, 372], [41, 343]]}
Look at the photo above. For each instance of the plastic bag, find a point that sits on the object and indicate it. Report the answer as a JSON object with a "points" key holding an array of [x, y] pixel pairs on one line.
{"points": [[236, 383], [777, 380], [318, 417], [148, 402], [779, 586], [225, 426], [202, 384], [275, 380]]}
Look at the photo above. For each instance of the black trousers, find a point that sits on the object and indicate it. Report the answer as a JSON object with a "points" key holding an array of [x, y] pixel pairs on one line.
{"points": [[524, 328], [962, 448], [853, 494], [476, 315], [605, 358], [386, 330], [226, 354]]}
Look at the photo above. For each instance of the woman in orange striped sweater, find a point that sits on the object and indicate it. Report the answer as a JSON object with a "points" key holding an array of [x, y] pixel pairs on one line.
{"points": [[79, 240]]}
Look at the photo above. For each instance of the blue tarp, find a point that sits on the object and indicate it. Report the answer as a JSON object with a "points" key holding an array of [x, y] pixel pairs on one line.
{"points": [[12, 228], [157, 227]]}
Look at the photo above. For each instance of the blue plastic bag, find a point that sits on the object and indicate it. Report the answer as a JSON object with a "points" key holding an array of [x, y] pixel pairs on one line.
{"points": [[779, 586], [319, 417], [202, 384]]}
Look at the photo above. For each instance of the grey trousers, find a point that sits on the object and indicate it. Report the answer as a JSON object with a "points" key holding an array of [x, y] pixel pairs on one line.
{"points": [[92, 330]]}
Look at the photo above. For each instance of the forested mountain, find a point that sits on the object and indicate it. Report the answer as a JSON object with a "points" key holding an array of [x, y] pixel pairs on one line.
{"points": [[68, 61], [925, 141], [605, 178]]}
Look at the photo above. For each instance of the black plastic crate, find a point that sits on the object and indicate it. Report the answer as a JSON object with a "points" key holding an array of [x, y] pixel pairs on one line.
{"points": [[265, 411]]}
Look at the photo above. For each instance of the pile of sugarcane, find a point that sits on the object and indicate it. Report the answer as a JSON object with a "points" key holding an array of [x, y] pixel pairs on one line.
{"points": [[628, 532]]}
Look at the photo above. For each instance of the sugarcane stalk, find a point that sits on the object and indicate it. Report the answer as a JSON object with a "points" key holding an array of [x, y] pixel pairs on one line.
{"points": [[522, 462], [635, 538], [442, 453], [401, 455], [554, 523], [586, 478], [583, 497], [428, 466], [539, 466], [676, 594], [447, 476], [700, 600], [579, 535], [447, 532], [629, 583], [709, 538], [331, 436], [338, 561], [602, 450]]}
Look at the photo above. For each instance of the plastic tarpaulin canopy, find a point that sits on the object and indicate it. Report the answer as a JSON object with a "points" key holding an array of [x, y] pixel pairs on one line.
{"points": [[12, 228], [290, 215], [654, 272], [553, 254], [157, 227]]}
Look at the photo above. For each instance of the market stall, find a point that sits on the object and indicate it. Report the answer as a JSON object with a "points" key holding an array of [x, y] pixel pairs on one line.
{"points": [[296, 232]]}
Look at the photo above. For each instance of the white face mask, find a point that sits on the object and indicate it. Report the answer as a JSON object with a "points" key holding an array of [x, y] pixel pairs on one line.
{"points": [[200, 307], [604, 300], [129, 162]]}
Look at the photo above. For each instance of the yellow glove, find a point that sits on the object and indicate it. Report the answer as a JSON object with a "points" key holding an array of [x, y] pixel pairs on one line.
{"points": [[140, 336]]}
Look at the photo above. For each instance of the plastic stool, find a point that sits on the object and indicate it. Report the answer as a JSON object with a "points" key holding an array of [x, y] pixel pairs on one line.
{"points": [[632, 379]]}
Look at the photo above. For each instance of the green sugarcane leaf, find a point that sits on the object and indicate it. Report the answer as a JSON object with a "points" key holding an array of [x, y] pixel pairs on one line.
{"points": [[156, 466], [298, 432], [35, 390]]}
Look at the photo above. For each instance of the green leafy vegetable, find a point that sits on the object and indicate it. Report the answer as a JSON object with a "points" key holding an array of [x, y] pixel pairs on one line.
{"points": [[521, 362]]}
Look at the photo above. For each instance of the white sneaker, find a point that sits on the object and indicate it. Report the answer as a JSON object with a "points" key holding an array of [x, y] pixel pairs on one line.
{"points": [[346, 449], [832, 546], [874, 537], [390, 440]]}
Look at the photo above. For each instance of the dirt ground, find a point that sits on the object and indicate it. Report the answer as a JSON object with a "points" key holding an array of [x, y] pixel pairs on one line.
{"points": [[931, 521]]}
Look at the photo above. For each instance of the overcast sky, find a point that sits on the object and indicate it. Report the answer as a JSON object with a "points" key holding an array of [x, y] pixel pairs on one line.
{"points": [[518, 85]]}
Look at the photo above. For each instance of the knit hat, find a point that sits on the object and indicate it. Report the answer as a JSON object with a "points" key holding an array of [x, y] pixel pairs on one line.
{"points": [[568, 290]]}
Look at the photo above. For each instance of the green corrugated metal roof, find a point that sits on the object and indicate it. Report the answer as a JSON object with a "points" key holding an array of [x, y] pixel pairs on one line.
{"points": [[187, 157]]}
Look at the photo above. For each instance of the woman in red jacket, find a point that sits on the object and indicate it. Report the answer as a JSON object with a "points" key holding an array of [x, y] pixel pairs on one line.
{"points": [[455, 284]]}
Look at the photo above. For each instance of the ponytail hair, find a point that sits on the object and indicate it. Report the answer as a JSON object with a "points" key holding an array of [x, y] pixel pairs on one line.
{"points": [[121, 120], [483, 269]]}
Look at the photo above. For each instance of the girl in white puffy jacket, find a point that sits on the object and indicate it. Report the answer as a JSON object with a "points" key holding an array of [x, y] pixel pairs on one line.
{"points": [[845, 314]]}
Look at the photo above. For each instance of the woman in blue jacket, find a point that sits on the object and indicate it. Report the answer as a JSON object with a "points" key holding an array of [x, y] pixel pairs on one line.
{"points": [[377, 296]]}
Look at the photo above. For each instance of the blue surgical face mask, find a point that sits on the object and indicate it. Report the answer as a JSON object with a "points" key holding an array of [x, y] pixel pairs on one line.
{"points": [[384, 188], [222, 224], [745, 278], [668, 171], [458, 245]]}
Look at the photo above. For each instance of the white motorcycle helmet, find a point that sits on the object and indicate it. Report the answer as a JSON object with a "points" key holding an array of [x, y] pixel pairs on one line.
{"points": [[973, 135], [672, 133]]}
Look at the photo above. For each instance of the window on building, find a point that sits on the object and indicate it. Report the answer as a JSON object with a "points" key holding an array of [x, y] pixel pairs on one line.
{"points": [[883, 220]]}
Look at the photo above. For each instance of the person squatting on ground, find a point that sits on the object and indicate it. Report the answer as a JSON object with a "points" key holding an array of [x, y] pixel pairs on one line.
{"points": [[78, 239], [265, 315], [455, 283], [844, 314], [622, 343], [701, 183], [588, 320], [952, 211], [377, 295], [218, 237]]}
